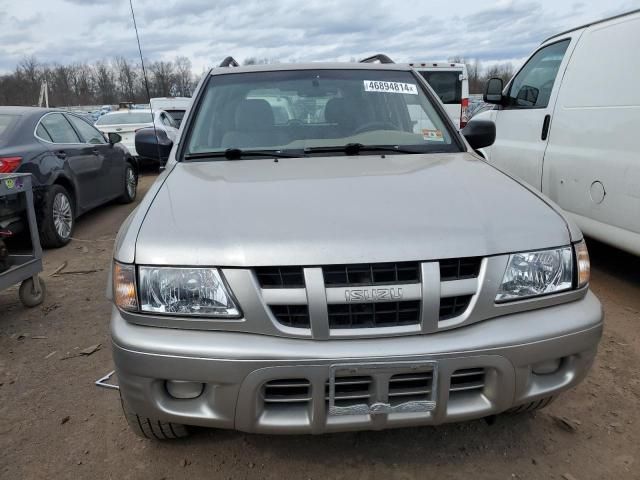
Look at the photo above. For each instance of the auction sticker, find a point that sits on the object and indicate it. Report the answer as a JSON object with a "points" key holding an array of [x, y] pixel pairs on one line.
{"points": [[432, 135], [390, 87]]}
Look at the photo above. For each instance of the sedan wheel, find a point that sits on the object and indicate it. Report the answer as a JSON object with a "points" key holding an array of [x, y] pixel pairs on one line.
{"points": [[62, 215]]}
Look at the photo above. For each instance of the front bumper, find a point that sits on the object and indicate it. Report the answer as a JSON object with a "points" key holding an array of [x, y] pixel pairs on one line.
{"points": [[234, 368]]}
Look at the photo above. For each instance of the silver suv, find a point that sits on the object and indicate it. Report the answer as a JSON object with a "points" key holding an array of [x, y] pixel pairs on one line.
{"points": [[325, 252]]}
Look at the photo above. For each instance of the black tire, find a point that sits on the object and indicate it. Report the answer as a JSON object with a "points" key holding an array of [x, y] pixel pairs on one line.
{"points": [[50, 237], [532, 406], [153, 429], [130, 190], [28, 296]]}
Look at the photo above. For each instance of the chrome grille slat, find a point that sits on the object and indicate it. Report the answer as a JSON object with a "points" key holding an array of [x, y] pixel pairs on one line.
{"points": [[466, 380], [287, 391], [407, 392], [334, 301], [467, 386], [468, 372]]}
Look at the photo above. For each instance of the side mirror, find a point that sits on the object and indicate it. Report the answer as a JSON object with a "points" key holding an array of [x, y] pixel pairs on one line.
{"points": [[148, 145], [493, 91], [114, 137], [480, 133]]}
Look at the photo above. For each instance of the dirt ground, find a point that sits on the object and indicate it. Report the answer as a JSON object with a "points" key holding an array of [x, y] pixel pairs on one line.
{"points": [[55, 424]]}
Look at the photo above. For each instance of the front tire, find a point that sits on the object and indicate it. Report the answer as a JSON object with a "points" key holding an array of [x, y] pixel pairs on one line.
{"points": [[130, 184], [58, 218], [153, 429]]}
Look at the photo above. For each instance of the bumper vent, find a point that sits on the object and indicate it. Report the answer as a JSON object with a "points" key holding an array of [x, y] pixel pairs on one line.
{"points": [[410, 387], [295, 391], [374, 315], [470, 380], [451, 307], [296, 316], [460, 268], [371, 274], [350, 391], [280, 277]]}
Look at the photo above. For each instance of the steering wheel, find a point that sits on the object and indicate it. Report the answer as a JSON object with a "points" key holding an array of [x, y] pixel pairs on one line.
{"points": [[375, 126]]}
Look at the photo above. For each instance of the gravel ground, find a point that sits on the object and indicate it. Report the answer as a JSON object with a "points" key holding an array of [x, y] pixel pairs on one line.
{"points": [[54, 423]]}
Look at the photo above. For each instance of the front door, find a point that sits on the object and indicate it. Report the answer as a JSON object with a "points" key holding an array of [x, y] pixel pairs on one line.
{"points": [[522, 125], [78, 156]]}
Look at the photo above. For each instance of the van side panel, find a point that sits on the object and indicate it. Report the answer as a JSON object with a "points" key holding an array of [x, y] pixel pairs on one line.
{"points": [[592, 163]]}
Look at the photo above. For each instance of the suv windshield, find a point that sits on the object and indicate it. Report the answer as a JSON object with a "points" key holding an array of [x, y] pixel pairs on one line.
{"points": [[296, 110], [447, 85]]}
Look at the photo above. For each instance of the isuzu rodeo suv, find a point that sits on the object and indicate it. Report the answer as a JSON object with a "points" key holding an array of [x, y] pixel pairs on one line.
{"points": [[354, 267]]}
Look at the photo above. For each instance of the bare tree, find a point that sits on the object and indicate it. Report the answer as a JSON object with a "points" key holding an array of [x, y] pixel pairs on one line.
{"points": [[163, 76], [183, 77]]}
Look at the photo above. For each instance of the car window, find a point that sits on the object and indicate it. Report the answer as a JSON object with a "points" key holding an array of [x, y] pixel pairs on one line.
{"points": [[298, 109], [447, 85], [42, 133], [60, 130], [166, 120], [531, 87], [87, 132]]}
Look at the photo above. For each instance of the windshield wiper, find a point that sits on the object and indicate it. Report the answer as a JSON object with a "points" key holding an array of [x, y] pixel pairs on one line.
{"points": [[356, 148], [237, 153]]}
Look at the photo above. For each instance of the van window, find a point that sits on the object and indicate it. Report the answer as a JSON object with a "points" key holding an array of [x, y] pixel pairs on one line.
{"points": [[447, 85], [532, 86]]}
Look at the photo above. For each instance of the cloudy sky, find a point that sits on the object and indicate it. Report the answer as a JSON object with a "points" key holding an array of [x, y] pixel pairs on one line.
{"points": [[66, 31]]}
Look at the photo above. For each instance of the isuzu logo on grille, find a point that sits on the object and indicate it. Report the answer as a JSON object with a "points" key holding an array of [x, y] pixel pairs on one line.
{"points": [[372, 294]]}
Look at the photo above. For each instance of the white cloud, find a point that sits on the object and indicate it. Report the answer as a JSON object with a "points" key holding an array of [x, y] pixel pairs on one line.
{"points": [[65, 31]]}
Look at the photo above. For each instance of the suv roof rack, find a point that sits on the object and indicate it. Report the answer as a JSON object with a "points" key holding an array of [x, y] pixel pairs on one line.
{"points": [[380, 57], [229, 62]]}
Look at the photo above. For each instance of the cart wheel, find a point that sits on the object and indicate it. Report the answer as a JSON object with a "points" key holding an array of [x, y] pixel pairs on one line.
{"points": [[28, 296]]}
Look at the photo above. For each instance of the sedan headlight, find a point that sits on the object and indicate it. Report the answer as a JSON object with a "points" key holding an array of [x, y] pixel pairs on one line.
{"points": [[531, 274], [185, 291]]}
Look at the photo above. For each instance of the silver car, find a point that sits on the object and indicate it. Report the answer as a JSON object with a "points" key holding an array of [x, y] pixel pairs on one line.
{"points": [[355, 267]]}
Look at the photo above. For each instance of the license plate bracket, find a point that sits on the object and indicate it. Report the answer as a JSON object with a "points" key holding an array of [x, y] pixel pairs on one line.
{"points": [[382, 372]]}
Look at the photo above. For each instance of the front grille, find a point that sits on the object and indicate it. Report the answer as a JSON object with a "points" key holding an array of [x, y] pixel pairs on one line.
{"points": [[296, 316], [410, 387], [372, 315], [350, 391], [371, 274], [296, 391], [460, 268], [468, 380], [451, 307], [280, 277]]}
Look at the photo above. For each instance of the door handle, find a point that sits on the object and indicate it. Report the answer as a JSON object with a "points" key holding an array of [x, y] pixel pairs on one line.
{"points": [[545, 127], [61, 154], [96, 151]]}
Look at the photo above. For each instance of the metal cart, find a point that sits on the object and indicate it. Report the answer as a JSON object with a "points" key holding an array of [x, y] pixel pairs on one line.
{"points": [[20, 264]]}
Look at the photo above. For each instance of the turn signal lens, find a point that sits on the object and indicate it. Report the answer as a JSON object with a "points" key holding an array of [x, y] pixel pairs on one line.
{"points": [[124, 287], [584, 265]]}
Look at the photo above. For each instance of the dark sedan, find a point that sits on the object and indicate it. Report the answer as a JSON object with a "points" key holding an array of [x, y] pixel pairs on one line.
{"points": [[74, 166]]}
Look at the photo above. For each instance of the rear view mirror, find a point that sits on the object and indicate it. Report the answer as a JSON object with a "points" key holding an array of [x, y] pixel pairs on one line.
{"points": [[493, 91], [153, 143], [480, 133], [114, 137]]}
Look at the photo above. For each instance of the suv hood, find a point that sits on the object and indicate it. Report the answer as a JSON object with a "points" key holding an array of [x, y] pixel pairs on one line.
{"points": [[342, 209]]}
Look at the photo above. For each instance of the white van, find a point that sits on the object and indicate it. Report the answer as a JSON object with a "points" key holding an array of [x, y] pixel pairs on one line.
{"points": [[174, 106], [567, 124], [451, 84]]}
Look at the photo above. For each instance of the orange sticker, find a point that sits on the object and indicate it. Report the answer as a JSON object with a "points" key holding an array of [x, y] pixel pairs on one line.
{"points": [[432, 135]]}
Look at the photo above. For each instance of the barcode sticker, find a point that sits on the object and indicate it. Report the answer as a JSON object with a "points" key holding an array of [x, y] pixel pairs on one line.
{"points": [[390, 87]]}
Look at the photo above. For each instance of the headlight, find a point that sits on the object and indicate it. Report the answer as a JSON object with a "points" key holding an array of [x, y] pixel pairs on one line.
{"points": [[537, 273], [185, 291]]}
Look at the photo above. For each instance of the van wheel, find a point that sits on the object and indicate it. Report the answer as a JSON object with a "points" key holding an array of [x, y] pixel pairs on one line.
{"points": [[532, 406], [58, 218], [150, 428], [130, 185]]}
